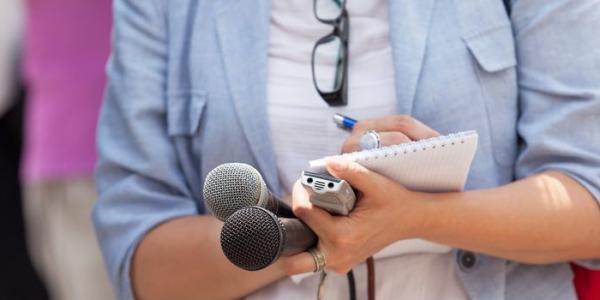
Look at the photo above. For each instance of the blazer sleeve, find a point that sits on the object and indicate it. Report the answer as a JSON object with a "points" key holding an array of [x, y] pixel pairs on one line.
{"points": [[139, 182], [559, 81]]}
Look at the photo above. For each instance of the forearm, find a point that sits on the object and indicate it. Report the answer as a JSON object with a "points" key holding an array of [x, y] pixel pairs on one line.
{"points": [[541, 219], [182, 259]]}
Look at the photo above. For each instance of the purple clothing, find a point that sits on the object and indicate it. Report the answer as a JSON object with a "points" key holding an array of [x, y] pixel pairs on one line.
{"points": [[66, 48]]}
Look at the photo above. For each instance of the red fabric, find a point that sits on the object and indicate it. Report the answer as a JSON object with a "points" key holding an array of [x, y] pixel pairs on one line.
{"points": [[587, 283]]}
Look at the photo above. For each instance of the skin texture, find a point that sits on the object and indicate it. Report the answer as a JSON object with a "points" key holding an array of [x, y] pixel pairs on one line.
{"points": [[522, 221], [182, 259], [545, 218]]}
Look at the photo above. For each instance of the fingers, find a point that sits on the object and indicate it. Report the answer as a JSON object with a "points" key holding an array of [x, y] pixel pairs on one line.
{"points": [[393, 138], [298, 264], [387, 138], [320, 221], [411, 127], [358, 176]]}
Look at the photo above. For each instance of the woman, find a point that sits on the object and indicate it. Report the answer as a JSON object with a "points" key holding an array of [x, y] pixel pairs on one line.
{"points": [[194, 84], [66, 48], [18, 279]]}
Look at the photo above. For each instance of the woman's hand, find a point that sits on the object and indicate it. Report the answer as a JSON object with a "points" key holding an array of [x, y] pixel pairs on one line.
{"points": [[392, 130], [385, 213]]}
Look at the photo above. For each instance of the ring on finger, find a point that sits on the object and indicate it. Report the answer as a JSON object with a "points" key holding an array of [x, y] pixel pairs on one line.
{"points": [[319, 259], [370, 140]]}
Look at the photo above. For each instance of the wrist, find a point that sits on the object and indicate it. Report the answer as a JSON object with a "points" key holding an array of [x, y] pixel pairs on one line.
{"points": [[285, 266], [443, 214], [422, 216]]}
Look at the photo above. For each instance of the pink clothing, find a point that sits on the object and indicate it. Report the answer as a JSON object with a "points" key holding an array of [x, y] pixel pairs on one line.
{"points": [[66, 48]]}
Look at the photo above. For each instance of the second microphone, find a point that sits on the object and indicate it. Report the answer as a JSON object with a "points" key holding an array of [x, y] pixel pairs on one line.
{"points": [[253, 236]]}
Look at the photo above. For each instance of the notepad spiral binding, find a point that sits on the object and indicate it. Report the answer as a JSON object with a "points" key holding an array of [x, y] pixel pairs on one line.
{"points": [[414, 146]]}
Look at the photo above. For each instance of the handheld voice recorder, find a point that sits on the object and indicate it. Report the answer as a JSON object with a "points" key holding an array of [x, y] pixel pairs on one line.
{"points": [[330, 193]]}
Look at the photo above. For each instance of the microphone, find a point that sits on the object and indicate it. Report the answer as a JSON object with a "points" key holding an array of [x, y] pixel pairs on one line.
{"points": [[232, 186], [253, 238]]}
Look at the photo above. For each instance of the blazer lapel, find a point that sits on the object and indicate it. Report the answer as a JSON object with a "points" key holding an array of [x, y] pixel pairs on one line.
{"points": [[409, 28], [243, 29]]}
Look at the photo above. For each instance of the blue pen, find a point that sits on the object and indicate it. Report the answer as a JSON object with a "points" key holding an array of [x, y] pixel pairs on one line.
{"points": [[344, 122]]}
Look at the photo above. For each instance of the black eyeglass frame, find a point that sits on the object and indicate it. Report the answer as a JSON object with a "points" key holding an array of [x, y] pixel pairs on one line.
{"points": [[341, 30]]}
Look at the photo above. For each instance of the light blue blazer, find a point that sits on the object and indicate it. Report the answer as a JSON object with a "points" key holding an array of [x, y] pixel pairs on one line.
{"points": [[186, 92]]}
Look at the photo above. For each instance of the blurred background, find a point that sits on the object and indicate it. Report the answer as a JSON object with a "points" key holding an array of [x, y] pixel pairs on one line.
{"points": [[52, 60]]}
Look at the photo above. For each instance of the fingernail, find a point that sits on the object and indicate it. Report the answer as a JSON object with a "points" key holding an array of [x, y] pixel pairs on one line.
{"points": [[300, 211], [337, 165]]}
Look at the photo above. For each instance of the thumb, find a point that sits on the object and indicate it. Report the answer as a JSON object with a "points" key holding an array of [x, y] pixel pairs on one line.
{"points": [[358, 176]]}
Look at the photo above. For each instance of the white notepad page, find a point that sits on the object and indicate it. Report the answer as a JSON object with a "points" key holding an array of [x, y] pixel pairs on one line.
{"points": [[439, 164]]}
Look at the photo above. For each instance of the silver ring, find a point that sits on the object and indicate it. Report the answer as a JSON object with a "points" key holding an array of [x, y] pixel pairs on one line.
{"points": [[319, 259], [370, 140]]}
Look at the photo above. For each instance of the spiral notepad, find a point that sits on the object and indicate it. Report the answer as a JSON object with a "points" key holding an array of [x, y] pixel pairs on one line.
{"points": [[439, 164]]}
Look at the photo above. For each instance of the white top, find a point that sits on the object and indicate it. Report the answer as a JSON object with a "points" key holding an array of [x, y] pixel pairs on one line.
{"points": [[302, 130], [301, 122], [10, 37]]}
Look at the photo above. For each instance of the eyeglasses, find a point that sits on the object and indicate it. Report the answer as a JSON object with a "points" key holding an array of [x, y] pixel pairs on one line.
{"points": [[330, 53]]}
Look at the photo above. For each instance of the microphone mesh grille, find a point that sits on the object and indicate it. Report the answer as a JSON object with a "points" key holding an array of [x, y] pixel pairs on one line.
{"points": [[251, 238], [230, 187]]}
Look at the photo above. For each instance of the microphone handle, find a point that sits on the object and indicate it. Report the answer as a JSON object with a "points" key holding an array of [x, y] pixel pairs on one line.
{"points": [[278, 207], [298, 236]]}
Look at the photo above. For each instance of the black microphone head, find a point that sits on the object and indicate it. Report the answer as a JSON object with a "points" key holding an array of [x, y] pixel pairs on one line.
{"points": [[252, 238], [232, 186]]}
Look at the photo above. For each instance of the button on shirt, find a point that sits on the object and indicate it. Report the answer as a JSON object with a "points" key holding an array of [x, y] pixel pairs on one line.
{"points": [[466, 260]]}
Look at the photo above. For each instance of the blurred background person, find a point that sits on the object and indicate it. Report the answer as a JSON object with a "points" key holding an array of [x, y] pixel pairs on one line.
{"points": [[66, 48], [11, 15], [18, 279]]}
